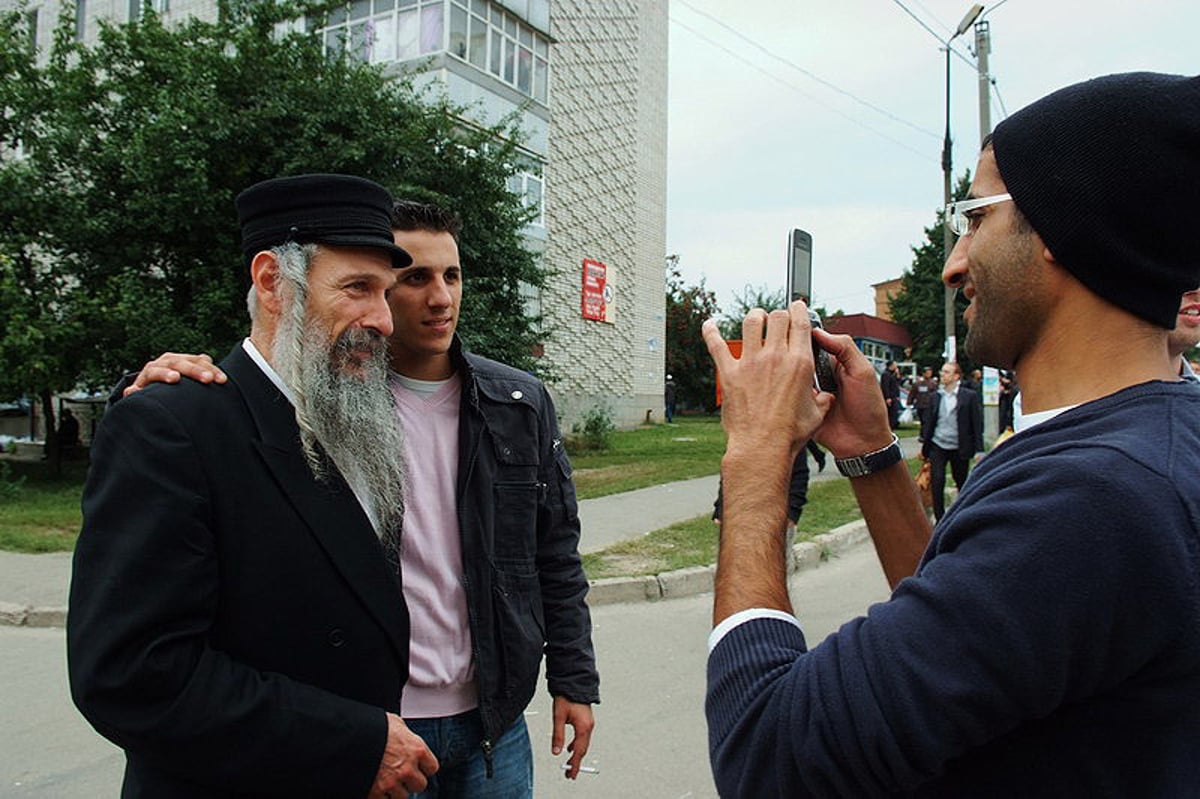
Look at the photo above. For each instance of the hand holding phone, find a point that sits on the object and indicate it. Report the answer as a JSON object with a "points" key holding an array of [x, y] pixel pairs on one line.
{"points": [[822, 363], [799, 287]]}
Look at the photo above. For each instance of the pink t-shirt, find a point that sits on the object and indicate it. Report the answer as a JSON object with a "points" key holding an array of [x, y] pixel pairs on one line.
{"points": [[441, 680]]}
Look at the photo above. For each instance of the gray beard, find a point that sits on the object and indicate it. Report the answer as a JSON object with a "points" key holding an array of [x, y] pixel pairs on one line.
{"points": [[350, 417]]}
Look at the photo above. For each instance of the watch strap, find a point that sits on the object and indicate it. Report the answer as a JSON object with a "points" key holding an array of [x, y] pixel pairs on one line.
{"points": [[871, 462]]}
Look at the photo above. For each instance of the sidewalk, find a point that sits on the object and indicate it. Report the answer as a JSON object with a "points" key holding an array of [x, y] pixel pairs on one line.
{"points": [[618, 517], [33, 588]]}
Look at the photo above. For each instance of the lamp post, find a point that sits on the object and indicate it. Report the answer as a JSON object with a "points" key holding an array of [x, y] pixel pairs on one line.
{"points": [[947, 168]]}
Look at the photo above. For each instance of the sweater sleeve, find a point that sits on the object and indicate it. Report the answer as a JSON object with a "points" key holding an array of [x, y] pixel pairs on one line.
{"points": [[1035, 593]]}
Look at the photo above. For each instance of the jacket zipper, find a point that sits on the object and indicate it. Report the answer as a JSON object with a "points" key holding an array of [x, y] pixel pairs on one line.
{"points": [[486, 746]]}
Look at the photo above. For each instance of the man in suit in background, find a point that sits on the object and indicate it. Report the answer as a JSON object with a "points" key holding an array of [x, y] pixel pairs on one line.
{"points": [[889, 384], [954, 433], [237, 623]]}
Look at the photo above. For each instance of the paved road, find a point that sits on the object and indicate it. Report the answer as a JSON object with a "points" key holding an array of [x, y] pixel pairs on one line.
{"points": [[650, 741]]}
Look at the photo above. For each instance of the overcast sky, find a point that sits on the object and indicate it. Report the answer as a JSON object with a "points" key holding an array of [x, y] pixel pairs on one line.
{"points": [[828, 116]]}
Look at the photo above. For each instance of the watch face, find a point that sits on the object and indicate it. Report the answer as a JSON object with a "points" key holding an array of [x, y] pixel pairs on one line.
{"points": [[853, 467]]}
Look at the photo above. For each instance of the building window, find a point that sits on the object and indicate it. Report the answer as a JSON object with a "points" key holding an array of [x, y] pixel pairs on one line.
{"points": [[31, 23], [136, 6], [380, 31], [479, 32], [80, 19], [531, 300], [528, 185], [486, 36]]}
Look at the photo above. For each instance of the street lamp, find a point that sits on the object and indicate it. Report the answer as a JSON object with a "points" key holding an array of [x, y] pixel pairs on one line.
{"points": [[947, 168]]}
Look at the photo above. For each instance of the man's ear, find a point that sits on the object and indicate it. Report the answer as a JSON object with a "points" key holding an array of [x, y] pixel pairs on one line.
{"points": [[268, 281], [1049, 256]]}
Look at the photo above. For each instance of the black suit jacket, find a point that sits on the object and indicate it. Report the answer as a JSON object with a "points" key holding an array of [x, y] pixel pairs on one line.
{"points": [[969, 415], [233, 625]]}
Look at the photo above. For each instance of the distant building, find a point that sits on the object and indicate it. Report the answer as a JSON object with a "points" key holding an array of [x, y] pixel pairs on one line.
{"points": [[588, 82], [881, 340], [884, 293]]}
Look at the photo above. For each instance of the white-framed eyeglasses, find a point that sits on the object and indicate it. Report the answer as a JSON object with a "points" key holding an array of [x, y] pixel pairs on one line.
{"points": [[955, 214]]}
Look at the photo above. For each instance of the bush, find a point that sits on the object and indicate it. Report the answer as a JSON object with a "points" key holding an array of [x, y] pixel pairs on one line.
{"points": [[594, 433]]}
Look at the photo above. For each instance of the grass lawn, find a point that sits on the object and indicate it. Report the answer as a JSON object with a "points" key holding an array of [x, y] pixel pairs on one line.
{"points": [[651, 455], [694, 542], [41, 514]]}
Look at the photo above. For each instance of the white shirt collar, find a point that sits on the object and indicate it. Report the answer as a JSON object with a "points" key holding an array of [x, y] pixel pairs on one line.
{"points": [[1027, 420], [271, 374]]}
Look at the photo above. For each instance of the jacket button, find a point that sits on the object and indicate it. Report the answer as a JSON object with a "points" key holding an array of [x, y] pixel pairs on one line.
{"points": [[517, 394], [336, 637]]}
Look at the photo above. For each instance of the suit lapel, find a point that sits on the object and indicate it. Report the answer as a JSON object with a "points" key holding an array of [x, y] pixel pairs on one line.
{"points": [[330, 510]]}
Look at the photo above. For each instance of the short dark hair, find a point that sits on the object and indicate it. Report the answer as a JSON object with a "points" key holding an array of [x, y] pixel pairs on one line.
{"points": [[413, 215]]}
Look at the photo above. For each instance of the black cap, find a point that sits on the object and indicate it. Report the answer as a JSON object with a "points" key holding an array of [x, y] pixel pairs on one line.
{"points": [[340, 210], [1108, 173]]}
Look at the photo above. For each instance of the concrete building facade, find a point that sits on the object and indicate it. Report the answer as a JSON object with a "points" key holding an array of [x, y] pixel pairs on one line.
{"points": [[587, 80], [606, 202]]}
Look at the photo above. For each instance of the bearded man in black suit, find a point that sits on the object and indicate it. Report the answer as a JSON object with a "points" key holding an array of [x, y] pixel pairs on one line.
{"points": [[236, 619]]}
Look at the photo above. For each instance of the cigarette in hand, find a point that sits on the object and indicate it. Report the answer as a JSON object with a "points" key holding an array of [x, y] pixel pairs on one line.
{"points": [[583, 769]]}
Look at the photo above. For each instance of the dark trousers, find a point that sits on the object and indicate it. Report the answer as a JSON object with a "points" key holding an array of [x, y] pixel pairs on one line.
{"points": [[938, 458], [893, 410], [923, 419]]}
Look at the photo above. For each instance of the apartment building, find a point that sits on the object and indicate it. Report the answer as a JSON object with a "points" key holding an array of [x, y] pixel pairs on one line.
{"points": [[588, 81]]}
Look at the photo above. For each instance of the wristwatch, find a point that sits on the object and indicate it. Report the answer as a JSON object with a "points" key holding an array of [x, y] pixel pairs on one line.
{"points": [[862, 465]]}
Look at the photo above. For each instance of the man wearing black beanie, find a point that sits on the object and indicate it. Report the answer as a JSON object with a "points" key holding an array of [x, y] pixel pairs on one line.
{"points": [[1045, 640]]}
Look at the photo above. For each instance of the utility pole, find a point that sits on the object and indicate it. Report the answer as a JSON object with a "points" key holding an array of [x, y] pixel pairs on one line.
{"points": [[947, 178], [948, 294], [983, 47]]}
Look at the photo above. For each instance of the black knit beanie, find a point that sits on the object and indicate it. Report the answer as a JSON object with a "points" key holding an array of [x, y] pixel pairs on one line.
{"points": [[1108, 173]]}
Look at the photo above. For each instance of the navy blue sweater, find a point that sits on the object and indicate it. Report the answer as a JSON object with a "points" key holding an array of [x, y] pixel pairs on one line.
{"points": [[1049, 644]]}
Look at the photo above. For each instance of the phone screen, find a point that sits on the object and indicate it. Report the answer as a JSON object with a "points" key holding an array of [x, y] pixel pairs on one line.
{"points": [[799, 266]]}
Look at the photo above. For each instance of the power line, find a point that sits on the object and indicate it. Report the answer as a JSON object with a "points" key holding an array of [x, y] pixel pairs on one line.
{"points": [[934, 17], [999, 99], [933, 33], [990, 78], [992, 8], [797, 89], [808, 73]]}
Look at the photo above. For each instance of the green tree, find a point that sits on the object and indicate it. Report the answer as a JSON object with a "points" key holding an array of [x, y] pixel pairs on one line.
{"points": [[687, 355], [121, 162], [920, 306], [759, 297], [748, 298]]}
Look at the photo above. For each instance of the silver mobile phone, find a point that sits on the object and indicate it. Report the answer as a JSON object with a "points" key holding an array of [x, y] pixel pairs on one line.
{"points": [[799, 287]]}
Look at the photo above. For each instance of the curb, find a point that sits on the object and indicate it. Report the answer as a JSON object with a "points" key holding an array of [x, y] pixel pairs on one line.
{"points": [[14, 615], [699, 579], [607, 591]]}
